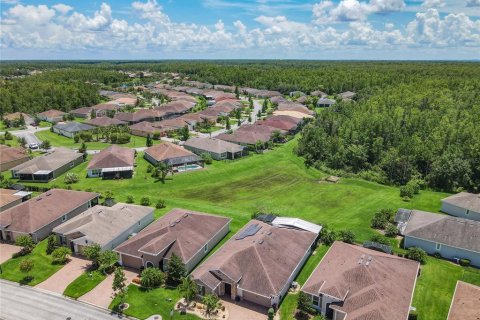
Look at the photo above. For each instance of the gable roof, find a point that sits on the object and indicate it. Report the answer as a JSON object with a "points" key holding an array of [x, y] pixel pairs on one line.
{"points": [[52, 113], [82, 110], [9, 154], [171, 153], [31, 215], [111, 105], [49, 161], [8, 196], [260, 257], [465, 302], [113, 157], [102, 224], [105, 122], [212, 145], [371, 284], [447, 230], [466, 200], [73, 127], [180, 231], [15, 116], [282, 122]]}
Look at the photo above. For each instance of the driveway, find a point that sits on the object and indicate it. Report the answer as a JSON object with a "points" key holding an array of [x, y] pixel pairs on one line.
{"points": [[102, 295], [63, 277], [6, 251], [244, 310]]}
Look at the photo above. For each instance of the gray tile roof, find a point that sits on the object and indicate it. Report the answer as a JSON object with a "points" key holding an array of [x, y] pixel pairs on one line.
{"points": [[50, 161], [73, 126], [447, 230], [212, 145], [470, 201]]}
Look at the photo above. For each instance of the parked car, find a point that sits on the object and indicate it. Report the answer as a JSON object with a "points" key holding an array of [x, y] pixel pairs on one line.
{"points": [[33, 145]]}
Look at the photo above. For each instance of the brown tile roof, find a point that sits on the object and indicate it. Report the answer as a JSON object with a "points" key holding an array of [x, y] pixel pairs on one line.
{"points": [[106, 106], [371, 284], [169, 152], [179, 106], [447, 230], [212, 145], [52, 113], [83, 110], [139, 115], [281, 122], [144, 126], [49, 161], [8, 196], [465, 303], [293, 114], [292, 106], [197, 117], [15, 116], [210, 112], [261, 263], [187, 230], [104, 122], [175, 123], [470, 201], [113, 157], [9, 154], [31, 215]]}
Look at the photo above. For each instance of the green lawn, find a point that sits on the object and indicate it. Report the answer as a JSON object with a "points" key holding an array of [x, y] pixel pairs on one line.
{"points": [[60, 141], [42, 268], [143, 304], [84, 283]]}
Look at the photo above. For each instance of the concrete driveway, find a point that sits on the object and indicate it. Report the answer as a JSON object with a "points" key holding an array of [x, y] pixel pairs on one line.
{"points": [[6, 251], [244, 310], [63, 277], [102, 295]]}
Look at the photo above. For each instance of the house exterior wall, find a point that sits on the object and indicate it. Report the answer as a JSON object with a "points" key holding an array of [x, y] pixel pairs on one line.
{"points": [[50, 119], [59, 171], [129, 261], [11, 204], [46, 230], [210, 245], [445, 251], [11, 164], [216, 156], [460, 212], [322, 302], [150, 159], [63, 132]]}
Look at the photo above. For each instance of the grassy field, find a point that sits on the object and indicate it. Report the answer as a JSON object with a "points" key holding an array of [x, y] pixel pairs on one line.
{"points": [[143, 304], [42, 266], [278, 182], [60, 141], [84, 283]]}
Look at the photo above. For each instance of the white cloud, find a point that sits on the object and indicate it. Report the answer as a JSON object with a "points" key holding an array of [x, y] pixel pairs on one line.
{"points": [[434, 3], [62, 8], [473, 3]]}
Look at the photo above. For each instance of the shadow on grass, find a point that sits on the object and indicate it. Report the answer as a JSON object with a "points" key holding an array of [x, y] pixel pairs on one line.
{"points": [[25, 281]]}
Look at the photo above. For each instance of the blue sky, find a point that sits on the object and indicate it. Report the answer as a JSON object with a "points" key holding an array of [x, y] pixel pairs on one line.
{"points": [[219, 29]]}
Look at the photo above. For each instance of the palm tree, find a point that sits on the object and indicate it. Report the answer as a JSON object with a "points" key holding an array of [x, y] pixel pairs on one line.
{"points": [[188, 288], [162, 170]]}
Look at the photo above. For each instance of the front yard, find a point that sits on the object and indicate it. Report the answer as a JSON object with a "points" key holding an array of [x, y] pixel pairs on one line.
{"points": [[84, 283]]}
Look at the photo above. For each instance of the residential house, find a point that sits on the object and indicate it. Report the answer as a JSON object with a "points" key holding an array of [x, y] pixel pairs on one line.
{"points": [[347, 95], [318, 93], [48, 166], [143, 129], [293, 114], [218, 149], [278, 99], [17, 115], [356, 283], [10, 198], [52, 116], [325, 102], [150, 115], [258, 264], [249, 135], [11, 157], [293, 106], [83, 112], [451, 237], [303, 100], [106, 109], [282, 122], [464, 205], [188, 234], [105, 122], [106, 226], [296, 223], [70, 129], [38, 216], [113, 162], [175, 108], [178, 158], [465, 302]]}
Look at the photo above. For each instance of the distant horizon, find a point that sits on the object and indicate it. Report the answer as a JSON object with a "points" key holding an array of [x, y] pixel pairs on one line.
{"points": [[348, 30], [240, 60]]}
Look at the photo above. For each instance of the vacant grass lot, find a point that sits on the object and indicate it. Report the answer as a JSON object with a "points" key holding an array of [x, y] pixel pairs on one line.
{"points": [[278, 181], [42, 266], [60, 141], [84, 283]]}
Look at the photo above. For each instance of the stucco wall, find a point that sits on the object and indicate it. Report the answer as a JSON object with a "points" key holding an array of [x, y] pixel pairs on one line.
{"points": [[460, 212], [129, 261]]}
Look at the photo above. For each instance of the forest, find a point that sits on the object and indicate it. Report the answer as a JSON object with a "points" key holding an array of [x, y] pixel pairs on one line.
{"points": [[409, 121]]}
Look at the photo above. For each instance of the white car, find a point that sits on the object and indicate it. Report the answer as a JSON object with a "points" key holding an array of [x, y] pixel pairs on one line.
{"points": [[33, 145]]}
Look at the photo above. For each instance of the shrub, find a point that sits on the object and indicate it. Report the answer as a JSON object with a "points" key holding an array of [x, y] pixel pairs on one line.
{"points": [[150, 168], [304, 303], [145, 201], [347, 236], [45, 145], [380, 239], [60, 255], [92, 252], [156, 135], [8, 135], [106, 260], [123, 138], [25, 241], [415, 185], [160, 204], [76, 138], [406, 191], [176, 270], [271, 314], [26, 266], [152, 278], [207, 158], [391, 231], [417, 254], [381, 218], [328, 236], [70, 178], [22, 252], [413, 315], [464, 262], [51, 243], [130, 199]]}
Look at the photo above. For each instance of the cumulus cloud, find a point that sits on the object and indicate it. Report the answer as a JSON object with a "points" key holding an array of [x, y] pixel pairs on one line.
{"points": [[353, 10], [434, 3], [62, 8]]}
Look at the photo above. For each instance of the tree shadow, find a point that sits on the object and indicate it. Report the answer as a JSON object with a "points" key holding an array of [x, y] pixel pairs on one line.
{"points": [[26, 280]]}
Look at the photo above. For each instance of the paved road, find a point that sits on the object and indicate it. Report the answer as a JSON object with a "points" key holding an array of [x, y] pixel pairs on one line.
{"points": [[29, 134], [26, 303]]}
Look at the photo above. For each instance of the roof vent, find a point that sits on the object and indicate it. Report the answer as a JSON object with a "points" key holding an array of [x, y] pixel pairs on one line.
{"points": [[177, 221], [48, 194], [269, 233], [39, 198], [260, 241], [172, 225], [186, 215]]}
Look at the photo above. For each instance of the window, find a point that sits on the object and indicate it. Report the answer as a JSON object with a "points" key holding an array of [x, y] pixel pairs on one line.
{"points": [[315, 300], [205, 249], [467, 212], [64, 218], [139, 222], [72, 164], [149, 264], [438, 246]]}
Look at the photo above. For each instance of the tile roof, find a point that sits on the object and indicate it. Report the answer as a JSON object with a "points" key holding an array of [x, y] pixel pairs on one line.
{"points": [[212, 145], [139, 115], [293, 114], [144, 126], [105, 122], [292, 106], [49, 161], [15, 116], [113, 157], [282, 122], [52, 113], [9, 154], [31, 215], [171, 153], [106, 106], [102, 224], [444, 229], [372, 285], [465, 302], [470, 201], [187, 230], [73, 127], [261, 263], [82, 110], [8, 196]]}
